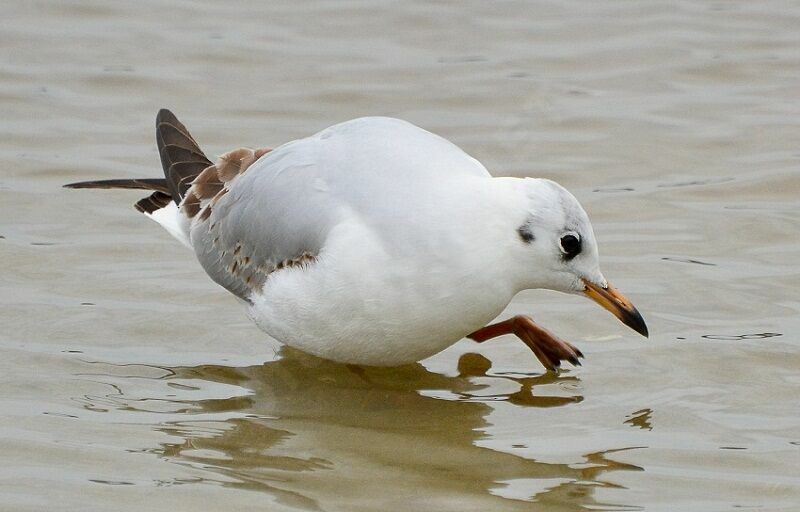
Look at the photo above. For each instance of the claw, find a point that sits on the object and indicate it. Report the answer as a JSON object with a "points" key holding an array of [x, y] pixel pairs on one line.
{"points": [[548, 348]]}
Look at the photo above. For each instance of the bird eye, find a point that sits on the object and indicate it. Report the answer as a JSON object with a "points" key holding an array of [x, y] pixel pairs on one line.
{"points": [[570, 246]]}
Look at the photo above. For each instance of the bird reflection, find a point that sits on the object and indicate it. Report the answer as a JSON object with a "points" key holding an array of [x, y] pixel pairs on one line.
{"points": [[320, 435]]}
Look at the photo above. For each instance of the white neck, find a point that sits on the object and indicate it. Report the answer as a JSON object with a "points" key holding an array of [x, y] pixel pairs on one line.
{"points": [[510, 203], [492, 221]]}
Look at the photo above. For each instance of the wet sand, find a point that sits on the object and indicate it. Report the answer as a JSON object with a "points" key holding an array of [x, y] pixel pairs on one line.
{"points": [[130, 381]]}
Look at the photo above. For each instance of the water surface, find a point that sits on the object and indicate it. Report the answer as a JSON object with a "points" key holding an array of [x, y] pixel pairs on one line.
{"points": [[131, 382]]}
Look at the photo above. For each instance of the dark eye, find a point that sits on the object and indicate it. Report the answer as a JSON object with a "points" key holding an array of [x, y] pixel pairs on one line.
{"points": [[570, 246]]}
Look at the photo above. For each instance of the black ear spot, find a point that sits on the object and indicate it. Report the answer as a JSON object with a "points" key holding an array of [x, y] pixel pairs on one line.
{"points": [[525, 234], [570, 245]]}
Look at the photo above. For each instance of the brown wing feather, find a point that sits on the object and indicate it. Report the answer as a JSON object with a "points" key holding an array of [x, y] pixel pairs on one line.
{"points": [[159, 184], [182, 161], [181, 157], [153, 202]]}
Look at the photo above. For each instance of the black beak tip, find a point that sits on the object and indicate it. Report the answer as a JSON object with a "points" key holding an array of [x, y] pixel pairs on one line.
{"points": [[634, 320]]}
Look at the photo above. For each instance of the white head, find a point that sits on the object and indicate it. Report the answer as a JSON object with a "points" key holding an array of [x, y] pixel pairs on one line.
{"points": [[560, 246], [559, 237]]}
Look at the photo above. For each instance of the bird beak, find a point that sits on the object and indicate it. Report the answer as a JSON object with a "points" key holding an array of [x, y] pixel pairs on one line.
{"points": [[619, 305]]}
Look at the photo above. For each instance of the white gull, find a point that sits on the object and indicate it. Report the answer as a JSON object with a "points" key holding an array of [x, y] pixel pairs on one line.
{"points": [[374, 241]]}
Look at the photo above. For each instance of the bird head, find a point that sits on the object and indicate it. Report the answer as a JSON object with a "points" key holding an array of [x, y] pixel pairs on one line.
{"points": [[558, 235]]}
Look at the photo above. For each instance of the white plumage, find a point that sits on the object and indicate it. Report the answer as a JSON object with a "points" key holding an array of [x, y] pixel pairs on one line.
{"points": [[374, 241]]}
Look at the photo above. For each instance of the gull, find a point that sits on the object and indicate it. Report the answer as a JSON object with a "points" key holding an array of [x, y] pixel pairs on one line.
{"points": [[374, 241]]}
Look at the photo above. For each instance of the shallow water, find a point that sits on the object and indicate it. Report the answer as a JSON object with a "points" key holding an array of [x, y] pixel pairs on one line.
{"points": [[131, 382]]}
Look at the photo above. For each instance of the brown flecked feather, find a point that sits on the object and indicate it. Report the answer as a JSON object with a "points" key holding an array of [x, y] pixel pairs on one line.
{"points": [[219, 196], [197, 185], [211, 183], [206, 185], [236, 162], [191, 205]]}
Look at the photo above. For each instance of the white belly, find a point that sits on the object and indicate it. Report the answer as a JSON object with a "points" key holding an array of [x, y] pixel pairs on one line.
{"points": [[357, 305]]}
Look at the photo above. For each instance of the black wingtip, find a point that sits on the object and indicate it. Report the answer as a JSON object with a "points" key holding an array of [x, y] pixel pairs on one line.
{"points": [[165, 115], [86, 184], [128, 183]]}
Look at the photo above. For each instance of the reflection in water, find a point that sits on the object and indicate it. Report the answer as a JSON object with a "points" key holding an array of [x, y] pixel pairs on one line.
{"points": [[319, 435], [642, 419]]}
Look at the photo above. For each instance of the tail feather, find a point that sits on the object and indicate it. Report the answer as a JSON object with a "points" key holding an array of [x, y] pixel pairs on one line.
{"points": [[181, 159]]}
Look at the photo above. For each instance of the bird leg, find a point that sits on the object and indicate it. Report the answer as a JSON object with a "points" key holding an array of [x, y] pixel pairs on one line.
{"points": [[548, 348]]}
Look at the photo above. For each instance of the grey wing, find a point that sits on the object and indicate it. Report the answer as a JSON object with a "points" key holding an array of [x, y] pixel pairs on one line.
{"points": [[250, 218], [248, 221]]}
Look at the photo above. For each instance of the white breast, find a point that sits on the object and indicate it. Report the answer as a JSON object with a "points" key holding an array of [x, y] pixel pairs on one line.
{"points": [[359, 304], [409, 234]]}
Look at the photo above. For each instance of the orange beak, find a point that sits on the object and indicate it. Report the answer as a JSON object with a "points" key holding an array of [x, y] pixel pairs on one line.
{"points": [[619, 305]]}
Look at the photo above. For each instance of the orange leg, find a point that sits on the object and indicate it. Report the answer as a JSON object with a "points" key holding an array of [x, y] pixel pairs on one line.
{"points": [[547, 347]]}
